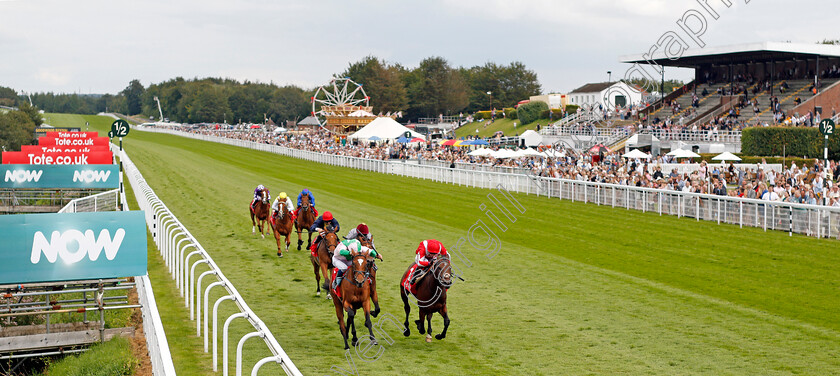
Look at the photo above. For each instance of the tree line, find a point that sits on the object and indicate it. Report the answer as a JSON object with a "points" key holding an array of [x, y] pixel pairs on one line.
{"points": [[432, 88]]}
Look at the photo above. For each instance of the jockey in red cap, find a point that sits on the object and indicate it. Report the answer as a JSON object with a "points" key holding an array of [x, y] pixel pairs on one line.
{"points": [[321, 224], [361, 232], [426, 253]]}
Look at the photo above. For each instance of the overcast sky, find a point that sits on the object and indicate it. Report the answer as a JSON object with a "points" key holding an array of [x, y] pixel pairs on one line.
{"points": [[98, 46]]}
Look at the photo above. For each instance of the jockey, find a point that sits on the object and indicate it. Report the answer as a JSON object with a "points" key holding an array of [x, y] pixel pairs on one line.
{"points": [[282, 199], [306, 192], [342, 259], [258, 194], [426, 253], [361, 232], [320, 226]]}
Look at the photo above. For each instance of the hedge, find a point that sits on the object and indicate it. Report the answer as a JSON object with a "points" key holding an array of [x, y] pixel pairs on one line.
{"points": [[795, 141], [510, 113], [531, 111]]}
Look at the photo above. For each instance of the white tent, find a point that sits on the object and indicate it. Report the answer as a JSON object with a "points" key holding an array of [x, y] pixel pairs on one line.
{"points": [[531, 138], [682, 153], [636, 153], [504, 153], [551, 153], [385, 128], [480, 152], [361, 113], [634, 139], [726, 156], [527, 152]]}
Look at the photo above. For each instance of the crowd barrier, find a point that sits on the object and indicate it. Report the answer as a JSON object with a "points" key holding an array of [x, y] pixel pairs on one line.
{"points": [[173, 241], [811, 220]]}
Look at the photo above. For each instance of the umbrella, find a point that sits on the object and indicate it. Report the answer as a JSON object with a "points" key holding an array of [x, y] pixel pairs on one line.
{"points": [[636, 153], [551, 153], [726, 156], [528, 152], [374, 138], [255, 126], [417, 139], [403, 140], [504, 153], [681, 153], [449, 142], [600, 148], [479, 142], [461, 143]]}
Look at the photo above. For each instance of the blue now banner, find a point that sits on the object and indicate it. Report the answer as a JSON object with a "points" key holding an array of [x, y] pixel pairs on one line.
{"points": [[72, 246], [59, 176]]}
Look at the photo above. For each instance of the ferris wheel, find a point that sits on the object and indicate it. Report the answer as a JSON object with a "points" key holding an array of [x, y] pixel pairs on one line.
{"points": [[341, 91]]}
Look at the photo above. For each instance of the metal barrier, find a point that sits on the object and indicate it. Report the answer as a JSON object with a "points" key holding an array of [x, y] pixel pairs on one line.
{"points": [[105, 201], [173, 240], [686, 134], [812, 220]]}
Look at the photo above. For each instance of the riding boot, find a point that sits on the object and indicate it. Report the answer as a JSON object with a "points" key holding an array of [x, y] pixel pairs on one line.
{"points": [[414, 276], [338, 277]]}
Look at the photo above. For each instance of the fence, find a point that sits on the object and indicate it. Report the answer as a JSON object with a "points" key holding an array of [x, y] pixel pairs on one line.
{"points": [[173, 240], [812, 220], [685, 134], [105, 201]]}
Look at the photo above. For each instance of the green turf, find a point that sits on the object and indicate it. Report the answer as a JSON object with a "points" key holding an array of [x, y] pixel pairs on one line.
{"points": [[504, 125], [112, 358], [576, 288]]}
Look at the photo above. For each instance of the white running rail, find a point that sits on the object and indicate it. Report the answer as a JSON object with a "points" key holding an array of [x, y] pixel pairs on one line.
{"points": [[104, 201], [173, 241], [812, 220]]}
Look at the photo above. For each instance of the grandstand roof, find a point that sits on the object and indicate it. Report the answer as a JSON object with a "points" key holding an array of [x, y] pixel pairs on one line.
{"points": [[737, 54]]}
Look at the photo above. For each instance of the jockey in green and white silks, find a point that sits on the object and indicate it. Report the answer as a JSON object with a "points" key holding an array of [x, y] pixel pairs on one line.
{"points": [[342, 256]]}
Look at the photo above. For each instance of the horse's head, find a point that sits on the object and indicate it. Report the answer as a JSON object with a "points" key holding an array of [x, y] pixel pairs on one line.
{"points": [[304, 201], [442, 270], [264, 195], [361, 267], [331, 240]]}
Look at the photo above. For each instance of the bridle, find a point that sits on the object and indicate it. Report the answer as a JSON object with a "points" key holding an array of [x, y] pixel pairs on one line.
{"points": [[364, 273], [446, 281]]}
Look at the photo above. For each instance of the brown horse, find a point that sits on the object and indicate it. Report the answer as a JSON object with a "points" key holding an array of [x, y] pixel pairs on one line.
{"points": [[323, 260], [374, 297], [355, 294], [304, 221], [282, 226], [431, 297], [260, 210]]}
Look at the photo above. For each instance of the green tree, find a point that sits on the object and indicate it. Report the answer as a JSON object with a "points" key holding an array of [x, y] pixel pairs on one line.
{"points": [[134, 97], [508, 85], [32, 112], [382, 83], [8, 96], [435, 88], [16, 129]]}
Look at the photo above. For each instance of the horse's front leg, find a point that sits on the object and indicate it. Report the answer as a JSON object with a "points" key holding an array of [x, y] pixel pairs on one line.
{"points": [[368, 323], [445, 316]]}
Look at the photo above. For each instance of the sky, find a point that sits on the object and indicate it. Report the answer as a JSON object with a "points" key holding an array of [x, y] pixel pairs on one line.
{"points": [[98, 46]]}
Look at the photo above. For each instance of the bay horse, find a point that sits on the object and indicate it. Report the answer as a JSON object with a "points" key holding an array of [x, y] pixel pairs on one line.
{"points": [[304, 221], [323, 259], [355, 294], [374, 297], [282, 226], [431, 297], [260, 210]]}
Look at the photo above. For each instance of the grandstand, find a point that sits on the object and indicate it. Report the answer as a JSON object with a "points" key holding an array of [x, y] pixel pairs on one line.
{"points": [[747, 72]]}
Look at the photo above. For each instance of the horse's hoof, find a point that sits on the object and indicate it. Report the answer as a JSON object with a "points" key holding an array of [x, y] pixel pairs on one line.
{"points": [[373, 342], [263, 236], [318, 293], [279, 254], [406, 332], [374, 313], [439, 336], [428, 338], [355, 342], [346, 347]]}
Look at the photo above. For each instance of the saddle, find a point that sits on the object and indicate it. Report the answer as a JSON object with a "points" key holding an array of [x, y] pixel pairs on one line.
{"points": [[414, 275]]}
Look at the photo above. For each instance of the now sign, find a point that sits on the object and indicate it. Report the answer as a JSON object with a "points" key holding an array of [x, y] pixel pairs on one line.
{"points": [[59, 176], [72, 246]]}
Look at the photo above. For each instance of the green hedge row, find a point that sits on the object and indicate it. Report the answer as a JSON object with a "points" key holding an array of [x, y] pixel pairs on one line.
{"points": [[795, 141], [486, 115]]}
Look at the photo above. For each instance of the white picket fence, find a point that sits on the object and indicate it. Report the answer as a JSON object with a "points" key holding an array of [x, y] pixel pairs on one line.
{"points": [[173, 241], [812, 220], [104, 201]]}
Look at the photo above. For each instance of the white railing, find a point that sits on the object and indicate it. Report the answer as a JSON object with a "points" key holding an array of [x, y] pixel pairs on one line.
{"points": [[173, 241], [813, 220], [727, 137], [105, 201], [156, 342]]}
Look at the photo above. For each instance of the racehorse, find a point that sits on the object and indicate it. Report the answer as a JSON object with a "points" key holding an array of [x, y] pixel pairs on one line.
{"points": [[260, 210], [374, 297], [323, 259], [431, 297], [355, 294], [282, 226], [304, 221]]}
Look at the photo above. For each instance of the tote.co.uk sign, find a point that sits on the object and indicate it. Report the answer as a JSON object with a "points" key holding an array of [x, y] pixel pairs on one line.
{"points": [[72, 246], [58, 176]]}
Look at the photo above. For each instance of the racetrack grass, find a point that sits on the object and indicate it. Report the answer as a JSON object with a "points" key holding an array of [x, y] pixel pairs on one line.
{"points": [[576, 288], [111, 358], [501, 124]]}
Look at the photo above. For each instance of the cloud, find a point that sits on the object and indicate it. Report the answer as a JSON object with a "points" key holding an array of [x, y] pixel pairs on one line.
{"points": [[53, 76]]}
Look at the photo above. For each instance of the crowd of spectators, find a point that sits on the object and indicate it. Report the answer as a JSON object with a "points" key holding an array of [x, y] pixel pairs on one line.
{"points": [[800, 184]]}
